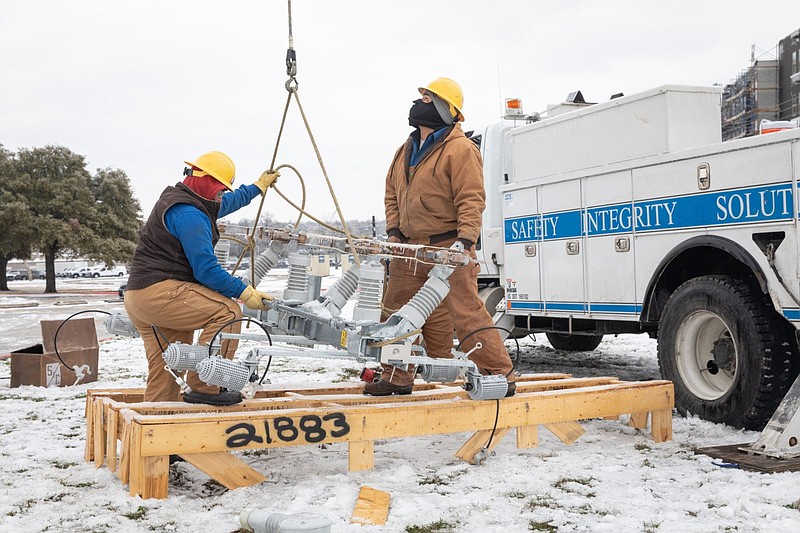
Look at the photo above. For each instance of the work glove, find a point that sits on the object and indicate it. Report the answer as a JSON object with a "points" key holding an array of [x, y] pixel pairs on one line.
{"points": [[254, 299], [266, 180]]}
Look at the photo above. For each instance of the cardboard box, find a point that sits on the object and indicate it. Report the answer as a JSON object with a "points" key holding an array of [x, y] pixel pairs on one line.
{"points": [[38, 364]]}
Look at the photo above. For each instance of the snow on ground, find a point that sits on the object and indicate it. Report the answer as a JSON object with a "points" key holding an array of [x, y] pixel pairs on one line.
{"points": [[613, 479]]}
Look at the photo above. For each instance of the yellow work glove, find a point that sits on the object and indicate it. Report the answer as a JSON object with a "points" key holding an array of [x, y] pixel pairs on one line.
{"points": [[266, 180], [254, 299]]}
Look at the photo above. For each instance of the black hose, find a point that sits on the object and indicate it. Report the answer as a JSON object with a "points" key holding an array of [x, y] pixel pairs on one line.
{"points": [[55, 335]]}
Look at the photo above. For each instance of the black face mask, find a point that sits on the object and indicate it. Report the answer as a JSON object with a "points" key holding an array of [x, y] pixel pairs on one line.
{"points": [[422, 114]]}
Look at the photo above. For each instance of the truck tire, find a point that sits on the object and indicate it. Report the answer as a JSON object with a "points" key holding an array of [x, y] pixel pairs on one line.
{"points": [[726, 351], [574, 343]]}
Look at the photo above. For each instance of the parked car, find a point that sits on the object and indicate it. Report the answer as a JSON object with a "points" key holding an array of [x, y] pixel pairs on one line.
{"points": [[80, 272], [38, 274], [118, 270], [16, 275]]}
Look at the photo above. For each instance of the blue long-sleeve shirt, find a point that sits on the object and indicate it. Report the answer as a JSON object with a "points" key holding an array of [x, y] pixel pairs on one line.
{"points": [[193, 228]]}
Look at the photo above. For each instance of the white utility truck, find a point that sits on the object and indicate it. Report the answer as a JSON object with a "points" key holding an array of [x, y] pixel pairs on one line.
{"points": [[631, 216]]}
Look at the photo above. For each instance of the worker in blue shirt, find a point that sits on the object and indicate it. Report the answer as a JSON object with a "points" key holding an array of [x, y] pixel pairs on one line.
{"points": [[176, 282]]}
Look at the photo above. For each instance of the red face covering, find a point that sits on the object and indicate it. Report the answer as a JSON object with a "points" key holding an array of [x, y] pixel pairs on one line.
{"points": [[205, 186]]}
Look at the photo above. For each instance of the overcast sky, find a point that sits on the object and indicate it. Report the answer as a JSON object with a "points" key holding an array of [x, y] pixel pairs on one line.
{"points": [[142, 85]]}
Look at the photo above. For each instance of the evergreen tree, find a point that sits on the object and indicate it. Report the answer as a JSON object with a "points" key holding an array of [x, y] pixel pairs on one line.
{"points": [[15, 221]]}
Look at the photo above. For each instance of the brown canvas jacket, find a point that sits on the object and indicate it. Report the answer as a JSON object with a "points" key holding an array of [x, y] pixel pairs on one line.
{"points": [[443, 193]]}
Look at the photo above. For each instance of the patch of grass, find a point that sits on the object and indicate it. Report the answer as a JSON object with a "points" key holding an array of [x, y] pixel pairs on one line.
{"points": [[542, 502], [79, 485], [564, 483], [541, 526], [516, 494], [794, 505], [642, 447], [439, 525], [434, 480], [61, 465], [56, 497], [138, 514], [33, 415], [37, 399], [346, 374], [21, 508], [650, 527]]}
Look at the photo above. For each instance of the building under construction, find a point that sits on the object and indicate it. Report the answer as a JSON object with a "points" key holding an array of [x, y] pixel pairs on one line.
{"points": [[767, 90]]}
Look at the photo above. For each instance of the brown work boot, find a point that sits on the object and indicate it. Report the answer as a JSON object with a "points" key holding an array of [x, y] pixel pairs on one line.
{"points": [[385, 388]]}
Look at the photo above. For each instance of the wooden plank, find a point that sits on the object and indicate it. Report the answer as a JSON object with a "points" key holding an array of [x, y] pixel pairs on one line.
{"points": [[126, 416], [155, 471], [240, 431], [98, 433], [567, 432], [111, 435], [372, 507], [661, 425], [527, 437], [136, 475], [361, 455], [638, 420], [733, 456], [230, 471], [478, 441], [88, 451]]}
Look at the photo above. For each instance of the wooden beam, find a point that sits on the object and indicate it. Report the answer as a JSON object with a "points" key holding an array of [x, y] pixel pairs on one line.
{"points": [[230, 471], [661, 425], [290, 427], [478, 441], [98, 433], [88, 451], [112, 416], [155, 472], [361, 455], [527, 437], [639, 420], [567, 432]]}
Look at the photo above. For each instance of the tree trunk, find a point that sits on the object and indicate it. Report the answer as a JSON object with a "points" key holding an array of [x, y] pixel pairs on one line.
{"points": [[50, 269], [3, 267]]}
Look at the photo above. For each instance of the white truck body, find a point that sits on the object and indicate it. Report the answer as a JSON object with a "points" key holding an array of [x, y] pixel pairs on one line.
{"points": [[597, 217]]}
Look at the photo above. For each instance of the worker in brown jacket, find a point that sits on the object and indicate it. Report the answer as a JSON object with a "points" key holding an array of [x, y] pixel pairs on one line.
{"points": [[435, 196]]}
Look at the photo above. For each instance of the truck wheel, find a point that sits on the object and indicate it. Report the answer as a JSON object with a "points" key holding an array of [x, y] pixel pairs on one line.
{"points": [[574, 343], [726, 351]]}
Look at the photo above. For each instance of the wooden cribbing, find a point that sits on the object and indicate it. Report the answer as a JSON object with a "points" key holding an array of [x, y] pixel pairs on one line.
{"points": [[206, 435]]}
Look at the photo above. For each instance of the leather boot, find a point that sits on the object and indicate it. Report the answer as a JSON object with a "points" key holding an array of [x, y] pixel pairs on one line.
{"points": [[385, 388]]}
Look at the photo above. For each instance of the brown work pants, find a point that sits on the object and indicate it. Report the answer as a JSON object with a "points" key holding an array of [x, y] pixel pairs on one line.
{"points": [[177, 309], [462, 309]]}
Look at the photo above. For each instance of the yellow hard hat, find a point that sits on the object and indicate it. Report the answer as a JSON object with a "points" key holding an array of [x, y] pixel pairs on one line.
{"points": [[217, 165], [450, 92]]}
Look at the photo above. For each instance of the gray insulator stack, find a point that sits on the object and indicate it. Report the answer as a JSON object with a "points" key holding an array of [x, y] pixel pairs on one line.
{"points": [[438, 373], [297, 284], [265, 261], [420, 307], [180, 357], [340, 292], [223, 373], [370, 292], [486, 387]]}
